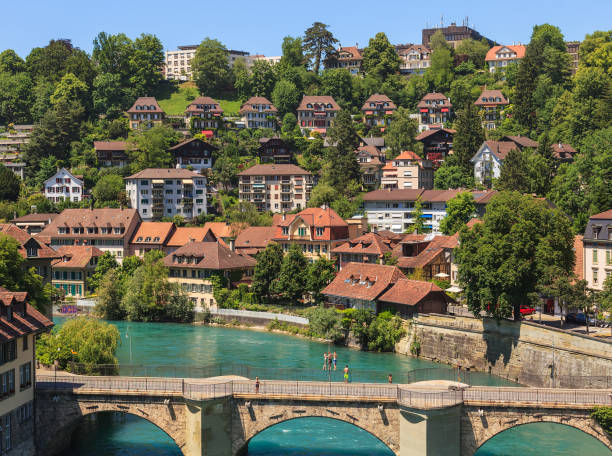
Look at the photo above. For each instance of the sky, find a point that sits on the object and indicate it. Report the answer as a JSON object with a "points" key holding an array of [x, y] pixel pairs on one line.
{"points": [[258, 27]]}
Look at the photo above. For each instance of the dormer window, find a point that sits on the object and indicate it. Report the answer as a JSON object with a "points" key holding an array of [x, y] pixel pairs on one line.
{"points": [[32, 251], [309, 105], [329, 106], [139, 239], [320, 231], [148, 239], [156, 239], [285, 230]]}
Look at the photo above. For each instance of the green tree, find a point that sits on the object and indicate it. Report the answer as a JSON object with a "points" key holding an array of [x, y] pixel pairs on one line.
{"points": [[514, 174], [325, 323], [459, 211], [210, 68], [242, 79], [438, 41], [504, 261], [11, 63], [461, 93], [286, 98], [476, 51], [70, 90], [341, 169], [150, 148], [263, 78], [109, 97], [318, 43], [56, 59], [293, 55], [384, 332], [106, 262], [109, 188], [110, 293], [320, 274], [380, 58], [9, 190], [112, 54], [16, 98], [595, 51], [400, 134], [266, 271], [452, 176], [289, 122], [336, 82], [440, 74], [146, 63], [291, 283], [417, 214], [469, 137]]}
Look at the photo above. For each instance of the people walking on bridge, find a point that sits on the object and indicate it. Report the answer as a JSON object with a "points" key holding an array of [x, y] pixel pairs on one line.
{"points": [[335, 360], [346, 374], [324, 360], [256, 384]]}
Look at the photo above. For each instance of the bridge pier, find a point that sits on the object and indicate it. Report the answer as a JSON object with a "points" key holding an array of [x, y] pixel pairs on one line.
{"points": [[430, 432], [208, 428]]}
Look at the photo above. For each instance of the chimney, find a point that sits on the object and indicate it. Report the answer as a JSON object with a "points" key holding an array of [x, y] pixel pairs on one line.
{"points": [[232, 245], [284, 216]]}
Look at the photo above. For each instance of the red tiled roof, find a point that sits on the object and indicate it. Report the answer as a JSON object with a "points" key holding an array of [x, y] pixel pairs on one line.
{"points": [[31, 322], [274, 170], [248, 105], [209, 255], [318, 100], [23, 237], [435, 97], [182, 235], [522, 141], [349, 281], [563, 151], [225, 230], [432, 131], [193, 106], [45, 217], [491, 95], [257, 237], [164, 173], [603, 215], [158, 232], [501, 148], [75, 256], [473, 221], [367, 244], [378, 98], [187, 141], [110, 145], [145, 101], [356, 55], [372, 150], [518, 49], [407, 155], [409, 292], [435, 247], [85, 218]]}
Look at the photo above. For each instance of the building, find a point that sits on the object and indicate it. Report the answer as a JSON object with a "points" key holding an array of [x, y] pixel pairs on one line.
{"points": [[204, 112], [407, 170], [110, 230], [276, 188], [177, 64], [259, 112], [347, 57], [274, 150], [254, 239], [195, 264], [368, 248], [33, 223], [415, 58], [112, 153], [75, 266], [272, 60], [151, 236], [437, 144], [193, 153], [563, 152], [13, 162], [145, 113], [426, 254], [371, 162], [499, 57], [491, 104], [316, 230], [597, 247], [378, 110], [20, 324], [573, 49], [64, 186], [491, 155], [375, 141], [224, 232], [317, 113], [434, 109], [453, 34], [407, 298], [166, 192], [182, 235]]}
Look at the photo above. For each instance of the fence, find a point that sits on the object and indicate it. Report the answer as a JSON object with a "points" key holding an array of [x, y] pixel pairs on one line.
{"points": [[233, 313]]}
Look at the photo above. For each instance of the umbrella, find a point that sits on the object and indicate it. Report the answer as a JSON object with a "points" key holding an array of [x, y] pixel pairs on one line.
{"points": [[454, 289], [442, 275]]}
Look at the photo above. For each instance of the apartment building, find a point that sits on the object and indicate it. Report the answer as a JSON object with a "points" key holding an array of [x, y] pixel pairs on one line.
{"points": [[597, 249], [347, 57], [434, 109], [453, 34], [33, 223], [166, 192], [489, 158], [499, 57], [110, 230], [437, 143], [64, 186], [274, 150], [259, 112], [20, 324], [194, 153], [491, 104], [371, 161], [317, 113], [177, 63], [112, 153], [377, 110], [276, 188], [415, 58], [204, 112], [75, 266], [407, 170], [145, 113]]}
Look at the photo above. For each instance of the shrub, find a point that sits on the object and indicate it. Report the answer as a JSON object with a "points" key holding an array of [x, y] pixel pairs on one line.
{"points": [[326, 323], [603, 415]]}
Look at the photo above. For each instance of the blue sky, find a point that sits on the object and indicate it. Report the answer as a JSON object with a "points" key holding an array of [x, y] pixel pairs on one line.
{"points": [[258, 27]]}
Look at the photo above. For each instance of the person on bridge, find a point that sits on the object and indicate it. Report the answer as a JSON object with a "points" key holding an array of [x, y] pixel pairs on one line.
{"points": [[390, 378], [335, 360], [324, 360], [257, 384], [346, 374]]}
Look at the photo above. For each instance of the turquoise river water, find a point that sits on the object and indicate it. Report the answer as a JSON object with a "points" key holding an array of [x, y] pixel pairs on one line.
{"points": [[268, 355]]}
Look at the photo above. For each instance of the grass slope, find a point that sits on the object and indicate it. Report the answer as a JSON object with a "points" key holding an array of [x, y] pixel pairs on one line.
{"points": [[174, 99]]}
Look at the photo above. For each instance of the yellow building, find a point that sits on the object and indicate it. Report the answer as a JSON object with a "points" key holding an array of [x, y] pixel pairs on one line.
{"points": [[76, 264]]}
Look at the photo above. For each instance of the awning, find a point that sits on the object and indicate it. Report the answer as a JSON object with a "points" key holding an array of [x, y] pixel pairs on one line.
{"points": [[423, 109], [369, 113], [319, 130], [157, 181], [454, 289], [320, 114], [444, 109], [259, 185], [216, 114], [442, 275], [188, 181], [208, 133], [388, 112]]}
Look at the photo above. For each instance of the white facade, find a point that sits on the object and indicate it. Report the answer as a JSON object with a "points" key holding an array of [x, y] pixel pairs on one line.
{"points": [[64, 186], [487, 165], [397, 216], [178, 62]]}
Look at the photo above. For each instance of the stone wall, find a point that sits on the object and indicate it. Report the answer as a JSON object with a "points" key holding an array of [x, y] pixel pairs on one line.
{"points": [[525, 352]]}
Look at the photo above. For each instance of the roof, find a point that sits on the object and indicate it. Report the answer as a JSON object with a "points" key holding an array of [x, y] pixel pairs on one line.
{"points": [[409, 292], [372, 150], [31, 322], [189, 141], [110, 145], [599, 223], [367, 244], [432, 131], [390, 235], [223, 229], [518, 49], [522, 141], [76, 177], [248, 105], [157, 232], [193, 106], [209, 255], [351, 50], [473, 221], [500, 148], [90, 218], [402, 194], [579, 253], [274, 170], [378, 98], [255, 237], [434, 248], [490, 96], [75, 256], [376, 141], [43, 217], [606, 215], [407, 155], [182, 235], [412, 47], [145, 101], [318, 99], [164, 173], [316, 216], [435, 96], [23, 237], [563, 151], [363, 281]]}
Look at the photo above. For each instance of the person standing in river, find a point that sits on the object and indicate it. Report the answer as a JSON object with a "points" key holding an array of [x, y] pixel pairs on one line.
{"points": [[335, 360], [346, 374], [329, 360], [324, 360]]}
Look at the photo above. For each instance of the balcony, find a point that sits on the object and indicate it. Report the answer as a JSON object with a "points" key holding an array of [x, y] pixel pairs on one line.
{"points": [[158, 202]]}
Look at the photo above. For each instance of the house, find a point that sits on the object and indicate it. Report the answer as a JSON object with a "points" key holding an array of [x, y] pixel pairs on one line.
{"points": [[64, 186], [521, 142], [254, 239], [259, 112], [166, 192], [371, 162], [151, 236], [499, 57], [193, 153], [368, 248], [112, 153], [182, 235], [225, 232], [317, 113], [276, 188], [564, 152], [108, 229], [20, 325], [453, 34], [347, 57], [434, 109], [274, 150], [415, 58], [195, 264], [437, 143], [597, 247], [426, 254], [33, 223], [378, 110], [316, 230], [204, 112], [407, 170], [36, 253], [489, 159], [75, 266], [375, 141], [13, 162], [491, 104], [409, 297], [145, 113]]}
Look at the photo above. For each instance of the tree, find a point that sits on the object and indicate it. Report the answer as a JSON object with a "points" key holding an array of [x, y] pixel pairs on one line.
{"points": [[56, 59], [109, 188], [263, 78], [70, 90], [595, 51], [384, 332], [112, 55], [210, 68], [337, 82], [504, 261], [267, 269], [242, 80], [459, 211], [514, 174], [293, 55], [225, 170], [109, 97], [325, 323], [318, 43], [440, 74], [291, 283], [106, 262], [320, 274], [286, 98], [380, 58], [417, 214], [16, 98], [146, 63], [438, 41], [469, 137], [400, 134], [450, 176], [11, 63], [110, 293], [476, 51], [9, 190], [341, 169], [150, 149], [289, 121], [461, 93]]}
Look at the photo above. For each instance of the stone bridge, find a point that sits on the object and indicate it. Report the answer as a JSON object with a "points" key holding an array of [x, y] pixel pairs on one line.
{"points": [[218, 418]]}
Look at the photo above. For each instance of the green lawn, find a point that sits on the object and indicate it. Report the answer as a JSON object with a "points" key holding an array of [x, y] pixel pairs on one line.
{"points": [[174, 102]]}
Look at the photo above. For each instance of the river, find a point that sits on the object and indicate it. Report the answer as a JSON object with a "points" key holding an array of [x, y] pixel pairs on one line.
{"points": [[174, 346]]}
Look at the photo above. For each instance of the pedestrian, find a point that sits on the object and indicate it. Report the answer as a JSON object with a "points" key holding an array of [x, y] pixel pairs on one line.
{"points": [[256, 384], [346, 374], [329, 360], [390, 378], [324, 360], [335, 360]]}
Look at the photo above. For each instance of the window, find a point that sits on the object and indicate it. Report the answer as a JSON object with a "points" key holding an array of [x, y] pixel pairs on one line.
{"points": [[25, 376], [25, 412], [608, 257], [7, 432], [301, 231], [320, 231], [25, 343], [285, 229], [7, 383], [594, 255], [595, 276]]}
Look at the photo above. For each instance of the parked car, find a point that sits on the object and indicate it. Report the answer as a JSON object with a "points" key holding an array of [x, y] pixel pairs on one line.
{"points": [[579, 318], [527, 310]]}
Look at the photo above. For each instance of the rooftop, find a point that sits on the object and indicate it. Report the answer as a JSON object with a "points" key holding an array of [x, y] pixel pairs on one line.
{"points": [[152, 233], [30, 321], [274, 170], [248, 106], [110, 145], [90, 218], [164, 173], [409, 292], [75, 256], [208, 255], [519, 49], [147, 102], [325, 101], [363, 281]]}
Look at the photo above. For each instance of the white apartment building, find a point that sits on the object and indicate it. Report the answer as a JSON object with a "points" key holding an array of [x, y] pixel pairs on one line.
{"points": [[276, 188], [597, 249], [166, 192], [177, 64], [64, 186]]}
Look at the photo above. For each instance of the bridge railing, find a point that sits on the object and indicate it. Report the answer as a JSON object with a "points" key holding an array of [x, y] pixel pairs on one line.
{"points": [[538, 396], [428, 399], [132, 384]]}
